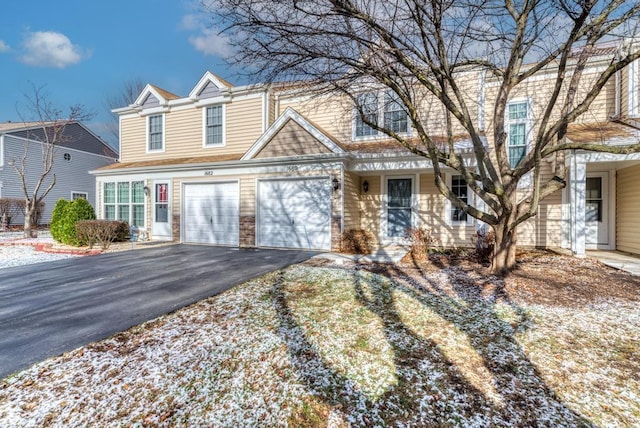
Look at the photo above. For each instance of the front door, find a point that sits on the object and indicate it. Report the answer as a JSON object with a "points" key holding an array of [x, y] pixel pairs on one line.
{"points": [[161, 210], [597, 210], [399, 206]]}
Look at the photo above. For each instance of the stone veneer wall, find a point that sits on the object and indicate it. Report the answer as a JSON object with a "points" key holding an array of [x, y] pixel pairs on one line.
{"points": [[175, 227], [336, 233], [247, 231]]}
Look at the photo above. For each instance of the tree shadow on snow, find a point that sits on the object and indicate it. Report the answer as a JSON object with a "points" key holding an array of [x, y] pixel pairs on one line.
{"points": [[431, 390]]}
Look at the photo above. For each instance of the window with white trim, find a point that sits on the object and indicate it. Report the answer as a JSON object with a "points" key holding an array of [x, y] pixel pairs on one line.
{"points": [[518, 128], [214, 126], [461, 190], [395, 116], [79, 195], [124, 200], [156, 133], [368, 103], [379, 108]]}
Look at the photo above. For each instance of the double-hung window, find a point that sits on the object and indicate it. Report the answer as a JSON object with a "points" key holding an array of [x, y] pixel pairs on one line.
{"points": [[518, 122], [395, 117], [367, 110], [124, 201], [460, 189], [214, 126], [156, 133], [379, 108]]}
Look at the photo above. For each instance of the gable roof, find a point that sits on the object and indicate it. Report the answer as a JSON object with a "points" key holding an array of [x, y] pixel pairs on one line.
{"points": [[279, 124], [163, 96], [75, 136], [208, 79]]}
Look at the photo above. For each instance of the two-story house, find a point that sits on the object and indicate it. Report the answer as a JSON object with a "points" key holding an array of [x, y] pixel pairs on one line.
{"points": [[271, 166], [77, 151]]}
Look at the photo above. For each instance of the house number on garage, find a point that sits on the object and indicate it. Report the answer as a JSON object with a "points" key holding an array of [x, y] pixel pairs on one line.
{"points": [[208, 172]]}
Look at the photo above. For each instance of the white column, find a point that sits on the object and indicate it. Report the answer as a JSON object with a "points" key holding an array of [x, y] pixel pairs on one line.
{"points": [[577, 191]]}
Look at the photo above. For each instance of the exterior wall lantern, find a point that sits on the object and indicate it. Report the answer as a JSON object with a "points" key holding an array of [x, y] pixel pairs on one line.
{"points": [[335, 183], [365, 186], [146, 191]]}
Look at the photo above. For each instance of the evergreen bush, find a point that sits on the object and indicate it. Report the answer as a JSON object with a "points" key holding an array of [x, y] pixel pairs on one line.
{"points": [[64, 217]]}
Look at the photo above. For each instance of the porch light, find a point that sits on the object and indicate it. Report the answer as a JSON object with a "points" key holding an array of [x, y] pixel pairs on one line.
{"points": [[146, 190], [365, 186], [336, 184]]}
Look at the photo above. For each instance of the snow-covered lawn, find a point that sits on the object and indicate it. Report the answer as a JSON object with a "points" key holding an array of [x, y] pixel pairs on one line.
{"points": [[326, 345]]}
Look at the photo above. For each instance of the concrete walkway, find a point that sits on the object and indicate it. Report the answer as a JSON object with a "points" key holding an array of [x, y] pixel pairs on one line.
{"points": [[618, 260], [386, 254]]}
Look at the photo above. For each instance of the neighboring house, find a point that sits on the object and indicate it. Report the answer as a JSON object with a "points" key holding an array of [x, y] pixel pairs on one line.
{"points": [[78, 152], [268, 166]]}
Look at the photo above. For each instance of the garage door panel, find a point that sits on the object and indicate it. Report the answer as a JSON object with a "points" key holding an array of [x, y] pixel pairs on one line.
{"points": [[211, 213], [295, 213]]}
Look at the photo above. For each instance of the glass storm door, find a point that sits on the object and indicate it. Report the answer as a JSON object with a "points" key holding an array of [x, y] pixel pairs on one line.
{"points": [[161, 210], [596, 210], [399, 210]]}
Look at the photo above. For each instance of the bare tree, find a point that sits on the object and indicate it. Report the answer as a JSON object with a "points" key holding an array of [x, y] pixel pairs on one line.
{"points": [[129, 91], [419, 50], [46, 129]]}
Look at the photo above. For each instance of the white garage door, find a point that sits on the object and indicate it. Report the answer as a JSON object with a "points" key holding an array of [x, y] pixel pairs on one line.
{"points": [[211, 214], [294, 213]]}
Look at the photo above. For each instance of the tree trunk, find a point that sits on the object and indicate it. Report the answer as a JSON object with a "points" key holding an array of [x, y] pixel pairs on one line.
{"points": [[504, 251], [29, 214]]}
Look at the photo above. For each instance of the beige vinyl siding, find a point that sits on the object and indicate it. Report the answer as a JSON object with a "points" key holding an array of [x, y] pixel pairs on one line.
{"points": [[335, 115], [292, 140], [244, 125], [331, 115], [433, 213], [352, 186], [628, 210], [624, 92], [545, 229], [370, 206], [183, 132], [133, 138]]}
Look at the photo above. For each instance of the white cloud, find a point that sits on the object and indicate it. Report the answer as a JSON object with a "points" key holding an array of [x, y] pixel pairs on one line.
{"points": [[191, 22], [209, 42], [4, 47], [50, 49]]}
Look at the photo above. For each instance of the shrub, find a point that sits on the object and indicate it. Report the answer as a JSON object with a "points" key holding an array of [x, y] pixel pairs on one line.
{"points": [[64, 217], [102, 231], [357, 241], [484, 242], [11, 208], [421, 242]]}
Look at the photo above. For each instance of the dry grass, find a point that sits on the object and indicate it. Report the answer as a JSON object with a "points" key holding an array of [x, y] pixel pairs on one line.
{"points": [[323, 345]]}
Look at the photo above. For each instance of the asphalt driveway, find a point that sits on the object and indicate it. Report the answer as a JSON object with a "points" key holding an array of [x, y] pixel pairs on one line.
{"points": [[50, 308]]}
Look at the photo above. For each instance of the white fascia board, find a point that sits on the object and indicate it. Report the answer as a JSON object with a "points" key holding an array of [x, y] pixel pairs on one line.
{"points": [[290, 113], [206, 78], [149, 89], [238, 164]]}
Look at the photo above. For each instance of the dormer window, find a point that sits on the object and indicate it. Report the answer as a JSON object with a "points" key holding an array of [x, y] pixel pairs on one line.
{"points": [[380, 108], [214, 126], [155, 134]]}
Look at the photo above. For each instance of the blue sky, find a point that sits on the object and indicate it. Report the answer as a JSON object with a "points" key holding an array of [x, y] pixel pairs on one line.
{"points": [[83, 50]]}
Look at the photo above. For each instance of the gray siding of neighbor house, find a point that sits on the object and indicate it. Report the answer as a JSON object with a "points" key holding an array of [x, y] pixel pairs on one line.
{"points": [[72, 175]]}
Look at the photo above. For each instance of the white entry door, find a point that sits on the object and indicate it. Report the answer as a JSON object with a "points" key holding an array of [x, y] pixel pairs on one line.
{"points": [[161, 212], [211, 213], [597, 210], [294, 213]]}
